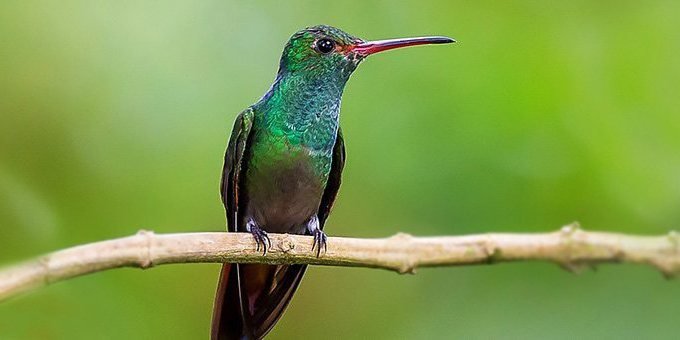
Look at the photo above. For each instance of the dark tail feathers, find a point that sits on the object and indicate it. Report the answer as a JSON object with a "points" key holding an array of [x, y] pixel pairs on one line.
{"points": [[251, 298]]}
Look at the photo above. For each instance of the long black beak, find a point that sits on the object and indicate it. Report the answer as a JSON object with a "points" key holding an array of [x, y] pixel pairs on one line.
{"points": [[371, 47]]}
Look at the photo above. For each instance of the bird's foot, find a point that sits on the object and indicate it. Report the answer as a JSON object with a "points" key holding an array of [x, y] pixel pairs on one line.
{"points": [[319, 241], [319, 236], [261, 237]]}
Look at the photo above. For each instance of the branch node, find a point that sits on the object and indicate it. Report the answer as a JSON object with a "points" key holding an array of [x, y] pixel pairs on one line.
{"points": [[670, 270], [493, 254], [146, 260], [407, 267], [572, 267], [286, 245], [401, 237], [571, 228], [566, 262], [674, 238], [45, 264]]}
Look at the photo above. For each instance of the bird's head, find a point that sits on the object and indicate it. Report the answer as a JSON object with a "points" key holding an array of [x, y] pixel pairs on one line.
{"points": [[322, 51]]}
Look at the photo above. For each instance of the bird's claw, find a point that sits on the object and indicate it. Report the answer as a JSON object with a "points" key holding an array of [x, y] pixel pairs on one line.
{"points": [[319, 241], [261, 238]]}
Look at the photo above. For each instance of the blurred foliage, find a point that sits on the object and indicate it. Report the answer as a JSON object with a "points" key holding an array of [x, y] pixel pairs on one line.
{"points": [[114, 117]]}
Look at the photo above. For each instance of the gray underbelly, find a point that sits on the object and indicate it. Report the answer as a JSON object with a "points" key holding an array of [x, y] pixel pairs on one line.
{"points": [[282, 199]]}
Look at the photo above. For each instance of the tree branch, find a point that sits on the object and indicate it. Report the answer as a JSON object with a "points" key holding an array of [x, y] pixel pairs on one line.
{"points": [[570, 247]]}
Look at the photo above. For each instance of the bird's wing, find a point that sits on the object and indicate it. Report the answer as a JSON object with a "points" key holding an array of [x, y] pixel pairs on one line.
{"points": [[233, 159], [337, 164], [228, 321]]}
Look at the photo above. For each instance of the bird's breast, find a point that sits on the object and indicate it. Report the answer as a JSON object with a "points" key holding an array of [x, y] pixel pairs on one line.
{"points": [[284, 182]]}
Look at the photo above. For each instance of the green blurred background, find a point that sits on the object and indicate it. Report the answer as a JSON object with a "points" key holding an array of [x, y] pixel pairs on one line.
{"points": [[114, 117]]}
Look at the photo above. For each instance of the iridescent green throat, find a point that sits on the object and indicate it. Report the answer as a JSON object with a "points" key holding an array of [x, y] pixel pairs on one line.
{"points": [[304, 111]]}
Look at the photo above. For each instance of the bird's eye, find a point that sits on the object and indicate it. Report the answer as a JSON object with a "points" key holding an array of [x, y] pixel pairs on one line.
{"points": [[325, 45]]}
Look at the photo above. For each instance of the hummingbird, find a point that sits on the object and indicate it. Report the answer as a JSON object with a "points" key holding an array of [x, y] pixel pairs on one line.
{"points": [[282, 170]]}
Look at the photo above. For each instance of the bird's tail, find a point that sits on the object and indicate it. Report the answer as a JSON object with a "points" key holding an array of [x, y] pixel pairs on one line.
{"points": [[251, 298]]}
